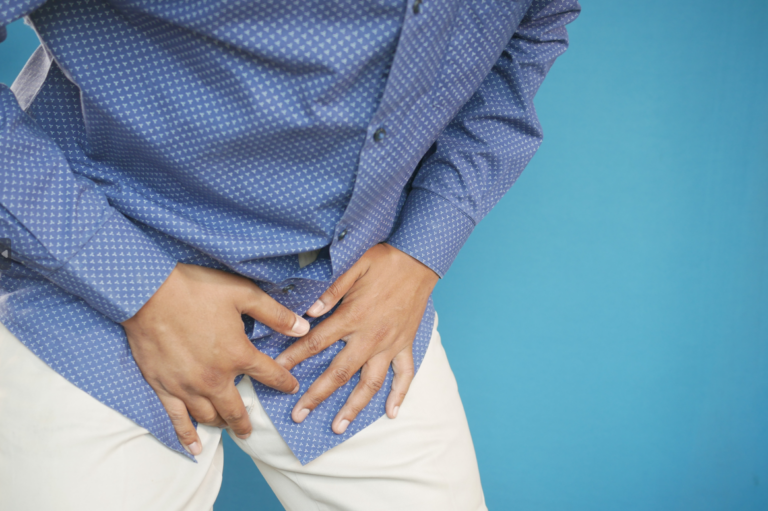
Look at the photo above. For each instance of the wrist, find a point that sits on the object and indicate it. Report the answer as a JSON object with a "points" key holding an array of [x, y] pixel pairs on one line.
{"points": [[169, 282], [427, 274]]}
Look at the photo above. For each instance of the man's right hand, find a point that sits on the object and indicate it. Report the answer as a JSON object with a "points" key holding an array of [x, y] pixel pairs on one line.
{"points": [[190, 344]]}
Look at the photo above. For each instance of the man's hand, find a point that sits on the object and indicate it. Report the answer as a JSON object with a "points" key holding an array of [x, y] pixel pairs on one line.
{"points": [[190, 344], [384, 297]]}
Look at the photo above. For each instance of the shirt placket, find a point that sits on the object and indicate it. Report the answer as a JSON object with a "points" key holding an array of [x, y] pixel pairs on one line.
{"points": [[423, 39]]}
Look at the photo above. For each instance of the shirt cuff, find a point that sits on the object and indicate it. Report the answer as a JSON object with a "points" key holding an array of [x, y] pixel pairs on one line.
{"points": [[117, 271], [431, 229]]}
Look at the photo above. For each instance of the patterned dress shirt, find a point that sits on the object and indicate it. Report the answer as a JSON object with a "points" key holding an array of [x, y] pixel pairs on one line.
{"points": [[238, 134]]}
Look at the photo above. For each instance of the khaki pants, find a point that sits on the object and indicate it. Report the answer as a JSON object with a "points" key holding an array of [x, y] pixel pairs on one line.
{"points": [[60, 449]]}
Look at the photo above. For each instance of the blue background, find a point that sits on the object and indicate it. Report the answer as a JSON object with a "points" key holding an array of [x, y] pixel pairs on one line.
{"points": [[608, 321]]}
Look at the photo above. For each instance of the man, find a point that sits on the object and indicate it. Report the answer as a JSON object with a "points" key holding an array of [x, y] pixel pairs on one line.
{"points": [[233, 213]]}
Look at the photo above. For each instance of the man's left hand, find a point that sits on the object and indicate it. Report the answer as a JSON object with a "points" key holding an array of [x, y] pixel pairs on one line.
{"points": [[384, 296]]}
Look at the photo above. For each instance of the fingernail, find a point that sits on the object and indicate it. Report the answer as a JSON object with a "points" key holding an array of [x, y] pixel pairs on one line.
{"points": [[301, 326], [343, 426], [194, 448], [394, 412], [316, 308], [301, 415], [296, 388], [243, 437]]}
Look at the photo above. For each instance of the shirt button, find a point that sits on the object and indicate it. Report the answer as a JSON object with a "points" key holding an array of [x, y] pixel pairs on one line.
{"points": [[342, 234], [379, 135], [288, 288], [416, 6]]}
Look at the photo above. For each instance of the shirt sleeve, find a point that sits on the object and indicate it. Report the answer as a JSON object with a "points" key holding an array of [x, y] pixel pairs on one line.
{"points": [[61, 225], [486, 145]]}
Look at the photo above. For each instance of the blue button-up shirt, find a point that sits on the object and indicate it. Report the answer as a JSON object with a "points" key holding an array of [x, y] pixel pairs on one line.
{"points": [[237, 135]]}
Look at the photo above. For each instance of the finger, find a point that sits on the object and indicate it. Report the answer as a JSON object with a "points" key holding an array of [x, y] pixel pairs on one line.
{"points": [[337, 290], [318, 339], [229, 405], [203, 411], [186, 432], [372, 377], [265, 309], [342, 368], [263, 368], [404, 370]]}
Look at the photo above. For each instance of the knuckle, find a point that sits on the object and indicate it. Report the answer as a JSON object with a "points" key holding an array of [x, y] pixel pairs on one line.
{"points": [[354, 313], [243, 360], [341, 375], [313, 401], [373, 384], [284, 319], [334, 290], [234, 416], [208, 418], [251, 366], [211, 378], [290, 360], [379, 333], [178, 418], [407, 373], [185, 435], [281, 379], [315, 343], [354, 409]]}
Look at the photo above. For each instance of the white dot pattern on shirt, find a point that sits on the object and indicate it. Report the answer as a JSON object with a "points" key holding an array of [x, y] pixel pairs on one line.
{"points": [[104, 183]]}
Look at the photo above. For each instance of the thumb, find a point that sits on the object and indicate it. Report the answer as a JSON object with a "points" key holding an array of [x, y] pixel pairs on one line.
{"points": [[265, 309], [336, 291]]}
